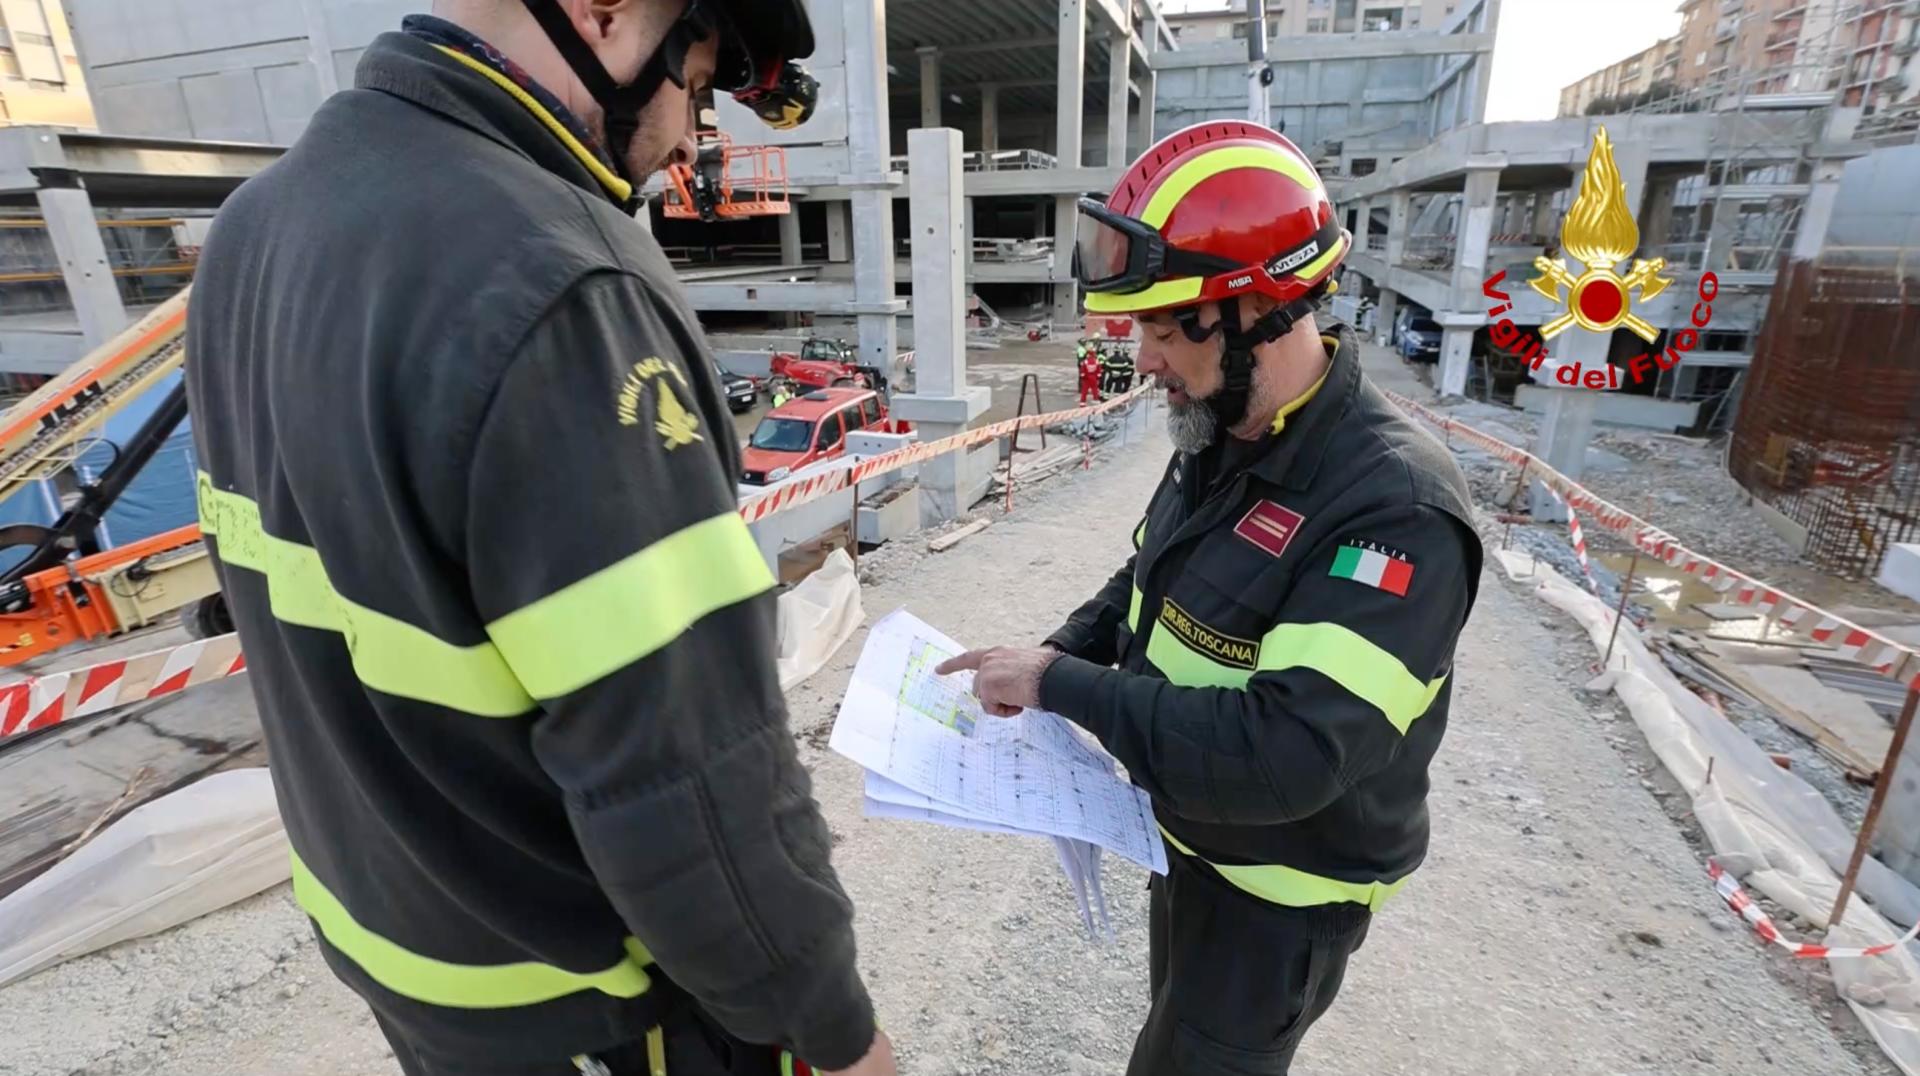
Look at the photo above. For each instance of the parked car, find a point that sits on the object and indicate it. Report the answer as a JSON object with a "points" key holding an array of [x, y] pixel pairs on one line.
{"points": [[810, 429], [739, 391], [1420, 340]]}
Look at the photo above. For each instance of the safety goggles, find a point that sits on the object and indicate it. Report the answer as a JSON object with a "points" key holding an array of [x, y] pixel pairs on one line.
{"points": [[1116, 253]]}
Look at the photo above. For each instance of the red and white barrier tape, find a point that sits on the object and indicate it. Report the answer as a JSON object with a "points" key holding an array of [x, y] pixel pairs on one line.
{"points": [[1579, 539], [1736, 897], [41, 701], [797, 493], [1894, 660]]}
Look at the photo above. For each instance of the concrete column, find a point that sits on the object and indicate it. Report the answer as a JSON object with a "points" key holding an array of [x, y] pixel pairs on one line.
{"points": [[942, 404], [1656, 223], [1470, 240], [1144, 120], [1069, 113], [869, 131], [1399, 218], [790, 250], [1117, 81], [1568, 424], [320, 47], [1546, 220], [929, 86], [1383, 316], [967, 248], [989, 117], [1818, 211], [1456, 359], [83, 263], [839, 231], [1362, 218]]}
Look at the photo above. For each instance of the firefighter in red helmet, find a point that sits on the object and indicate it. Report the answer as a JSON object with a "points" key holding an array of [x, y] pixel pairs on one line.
{"points": [[1274, 663]]}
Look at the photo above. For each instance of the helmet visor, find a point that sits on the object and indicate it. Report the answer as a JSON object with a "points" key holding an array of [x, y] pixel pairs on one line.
{"points": [[1117, 253]]}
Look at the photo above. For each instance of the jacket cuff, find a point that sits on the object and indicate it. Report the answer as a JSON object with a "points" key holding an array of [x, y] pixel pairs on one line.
{"points": [[1071, 639], [1068, 687], [833, 1018]]}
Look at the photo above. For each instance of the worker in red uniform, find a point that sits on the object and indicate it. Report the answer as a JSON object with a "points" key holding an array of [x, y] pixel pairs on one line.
{"points": [[1089, 374]]}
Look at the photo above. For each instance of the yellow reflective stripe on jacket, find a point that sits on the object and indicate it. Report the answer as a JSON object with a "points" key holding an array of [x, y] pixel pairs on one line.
{"points": [[623, 612], [1140, 535], [1133, 610], [1295, 888], [460, 986], [388, 654], [1356, 664], [1183, 665]]}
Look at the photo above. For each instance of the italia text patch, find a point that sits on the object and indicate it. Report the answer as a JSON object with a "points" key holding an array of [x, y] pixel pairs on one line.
{"points": [[1376, 565], [1269, 526], [1225, 649]]}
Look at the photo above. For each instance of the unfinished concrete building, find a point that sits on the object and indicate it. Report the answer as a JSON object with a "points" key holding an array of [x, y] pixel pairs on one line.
{"points": [[1733, 188]]}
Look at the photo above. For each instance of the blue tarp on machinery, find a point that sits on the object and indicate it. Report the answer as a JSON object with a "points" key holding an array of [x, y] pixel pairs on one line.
{"points": [[160, 498]]}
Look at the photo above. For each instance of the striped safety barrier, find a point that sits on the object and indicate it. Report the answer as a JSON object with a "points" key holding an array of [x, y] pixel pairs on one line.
{"points": [[42, 701], [1736, 897], [1579, 540], [1896, 661]]}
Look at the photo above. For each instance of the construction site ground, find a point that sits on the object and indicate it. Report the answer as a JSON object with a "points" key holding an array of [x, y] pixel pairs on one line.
{"points": [[1563, 921]]}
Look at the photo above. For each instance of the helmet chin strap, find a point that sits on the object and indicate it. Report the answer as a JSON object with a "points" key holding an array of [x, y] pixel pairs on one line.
{"points": [[1229, 405]]}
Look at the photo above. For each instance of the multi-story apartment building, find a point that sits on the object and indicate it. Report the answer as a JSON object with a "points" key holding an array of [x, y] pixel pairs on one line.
{"points": [[1637, 74], [41, 81]]}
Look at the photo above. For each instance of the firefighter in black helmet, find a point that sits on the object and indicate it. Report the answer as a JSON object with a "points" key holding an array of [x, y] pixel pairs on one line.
{"points": [[469, 484]]}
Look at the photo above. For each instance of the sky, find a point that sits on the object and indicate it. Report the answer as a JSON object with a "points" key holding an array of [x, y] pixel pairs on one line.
{"points": [[1542, 45]]}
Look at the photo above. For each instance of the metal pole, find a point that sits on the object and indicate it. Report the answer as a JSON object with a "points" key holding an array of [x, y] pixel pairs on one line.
{"points": [[853, 529], [1879, 800], [1625, 589]]}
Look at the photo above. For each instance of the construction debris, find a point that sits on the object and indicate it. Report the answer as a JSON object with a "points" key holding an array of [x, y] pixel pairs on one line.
{"points": [[953, 538]]}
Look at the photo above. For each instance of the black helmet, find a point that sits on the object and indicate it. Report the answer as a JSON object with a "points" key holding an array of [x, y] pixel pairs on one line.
{"points": [[759, 41]]}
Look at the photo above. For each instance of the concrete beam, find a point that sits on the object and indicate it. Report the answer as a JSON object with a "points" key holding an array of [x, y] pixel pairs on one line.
{"points": [[754, 295], [1028, 183], [1331, 47]]}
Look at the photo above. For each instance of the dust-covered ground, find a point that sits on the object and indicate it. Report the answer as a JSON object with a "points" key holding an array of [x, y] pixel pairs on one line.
{"points": [[1562, 922]]}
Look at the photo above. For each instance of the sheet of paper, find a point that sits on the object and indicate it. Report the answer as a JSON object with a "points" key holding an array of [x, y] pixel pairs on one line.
{"points": [[926, 733]]}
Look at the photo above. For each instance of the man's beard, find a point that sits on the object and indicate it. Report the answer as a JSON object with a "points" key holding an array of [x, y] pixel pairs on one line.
{"points": [[1191, 425]]}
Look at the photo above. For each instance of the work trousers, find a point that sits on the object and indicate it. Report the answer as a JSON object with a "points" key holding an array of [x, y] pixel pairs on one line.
{"points": [[1237, 981], [695, 1046]]}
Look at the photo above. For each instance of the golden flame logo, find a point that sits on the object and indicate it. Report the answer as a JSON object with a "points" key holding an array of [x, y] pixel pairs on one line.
{"points": [[1600, 231]]}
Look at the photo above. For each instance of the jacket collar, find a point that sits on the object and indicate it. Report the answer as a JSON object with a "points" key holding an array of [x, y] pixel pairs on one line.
{"points": [[490, 104], [1298, 449]]}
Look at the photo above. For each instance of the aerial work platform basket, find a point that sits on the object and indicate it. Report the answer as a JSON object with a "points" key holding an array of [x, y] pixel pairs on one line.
{"points": [[729, 182]]}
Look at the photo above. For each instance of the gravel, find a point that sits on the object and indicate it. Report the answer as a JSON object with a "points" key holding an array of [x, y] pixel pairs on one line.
{"points": [[1561, 923]]}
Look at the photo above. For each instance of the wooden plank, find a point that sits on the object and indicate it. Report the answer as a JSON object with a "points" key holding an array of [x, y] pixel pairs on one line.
{"points": [[1841, 725], [948, 541]]}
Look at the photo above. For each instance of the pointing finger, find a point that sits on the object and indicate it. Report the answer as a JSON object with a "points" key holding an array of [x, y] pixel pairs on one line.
{"points": [[968, 661]]}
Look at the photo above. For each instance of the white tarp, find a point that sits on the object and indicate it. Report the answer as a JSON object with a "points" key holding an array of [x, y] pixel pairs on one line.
{"points": [[190, 852], [220, 840], [817, 617], [1767, 826]]}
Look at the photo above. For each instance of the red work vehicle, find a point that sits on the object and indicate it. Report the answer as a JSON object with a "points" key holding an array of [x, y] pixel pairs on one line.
{"points": [[824, 364], [810, 429]]}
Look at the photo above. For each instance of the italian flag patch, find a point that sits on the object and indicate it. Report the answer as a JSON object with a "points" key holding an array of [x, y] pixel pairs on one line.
{"points": [[1375, 565]]}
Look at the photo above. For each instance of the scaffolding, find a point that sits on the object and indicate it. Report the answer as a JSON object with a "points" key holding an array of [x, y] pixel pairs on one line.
{"points": [[1829, 431]]}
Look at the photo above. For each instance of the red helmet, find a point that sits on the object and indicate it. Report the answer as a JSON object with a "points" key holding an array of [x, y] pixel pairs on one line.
{"points": [[1220, 209]]}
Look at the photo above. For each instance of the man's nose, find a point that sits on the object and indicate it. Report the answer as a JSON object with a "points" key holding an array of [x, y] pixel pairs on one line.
{"points": [[686, 151]]}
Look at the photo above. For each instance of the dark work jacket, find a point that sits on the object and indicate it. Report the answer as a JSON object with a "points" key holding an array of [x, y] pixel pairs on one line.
{"points": [[470, 486], [1274, 694]]}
